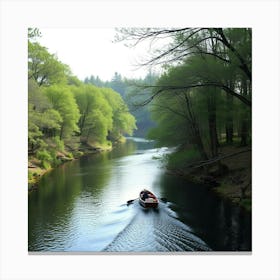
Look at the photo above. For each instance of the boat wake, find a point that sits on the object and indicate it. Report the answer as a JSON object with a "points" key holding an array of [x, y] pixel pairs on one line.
{"points": [[136, 229]]}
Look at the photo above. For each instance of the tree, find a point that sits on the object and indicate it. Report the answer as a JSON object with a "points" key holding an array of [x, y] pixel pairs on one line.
{"points": [[232, 50], [117, 84], [63, 101], [44, 67], [34, 33], [136, 92], [175, 116], [123, 121], [43, 120], [96, 114], [190, 106]]}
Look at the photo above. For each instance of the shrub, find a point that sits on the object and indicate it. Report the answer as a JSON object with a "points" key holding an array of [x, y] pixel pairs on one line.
{"points": [[44, 155], [45, 158], [70, 155], [45, 164], [30, 175]]}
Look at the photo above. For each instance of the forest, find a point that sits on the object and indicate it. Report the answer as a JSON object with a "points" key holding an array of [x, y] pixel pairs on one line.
{"points": [[201, 103], [67, 117]]}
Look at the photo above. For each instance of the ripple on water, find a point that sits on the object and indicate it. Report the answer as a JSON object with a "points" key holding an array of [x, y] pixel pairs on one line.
{"points": [[135, 229]]}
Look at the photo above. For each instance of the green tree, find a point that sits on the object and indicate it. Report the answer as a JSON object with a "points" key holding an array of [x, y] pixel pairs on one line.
{"points": [[44, 67], [188, 98], [123, 121], [96, 114], [175, 115], [43, 120], [63, 101], [232, 49]]}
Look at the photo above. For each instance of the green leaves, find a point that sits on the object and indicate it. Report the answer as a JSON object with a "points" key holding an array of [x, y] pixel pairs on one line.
{"points": [[61, 108], [205, 98], [64, 103], [123, 121], [96, 113], [44, 67]]}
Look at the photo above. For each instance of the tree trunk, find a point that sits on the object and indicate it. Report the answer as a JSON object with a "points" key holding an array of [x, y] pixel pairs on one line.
{"points": [[244, 133], [211, 102], [196, 137], [244, 122], [199, 144], [229, 119]]}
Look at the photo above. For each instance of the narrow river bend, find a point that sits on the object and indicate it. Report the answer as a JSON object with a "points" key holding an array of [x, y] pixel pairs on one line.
{"points": [[81, 207]]}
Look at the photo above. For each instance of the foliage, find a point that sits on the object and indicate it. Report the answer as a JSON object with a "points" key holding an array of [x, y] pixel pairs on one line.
{"points": [[45, 158], [96, 113], [44, 67], [59, 144], [64, 111], [64, 103], [123, 121], [205, 93], [133, 92]]}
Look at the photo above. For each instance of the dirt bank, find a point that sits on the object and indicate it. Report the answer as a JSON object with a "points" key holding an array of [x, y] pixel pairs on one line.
{"points": [[229, 177]]}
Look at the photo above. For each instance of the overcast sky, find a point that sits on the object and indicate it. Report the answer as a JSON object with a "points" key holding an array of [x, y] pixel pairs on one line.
{"points": [[92, 52]]}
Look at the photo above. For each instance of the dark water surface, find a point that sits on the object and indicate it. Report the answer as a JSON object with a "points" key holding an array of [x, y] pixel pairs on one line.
{"points": [[81, 207]]}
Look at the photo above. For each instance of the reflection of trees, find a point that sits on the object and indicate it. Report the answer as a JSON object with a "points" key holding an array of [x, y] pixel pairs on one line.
{"points": [[124, 149], [50, 209], [51, 205], [238, 228], [221, 225]]}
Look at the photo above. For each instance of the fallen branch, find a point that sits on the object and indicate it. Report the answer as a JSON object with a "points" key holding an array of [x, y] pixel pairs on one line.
{"points": [[217, 159]]}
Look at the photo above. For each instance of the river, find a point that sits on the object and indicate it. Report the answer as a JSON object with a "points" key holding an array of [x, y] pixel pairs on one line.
{"points": [[81, 207]]}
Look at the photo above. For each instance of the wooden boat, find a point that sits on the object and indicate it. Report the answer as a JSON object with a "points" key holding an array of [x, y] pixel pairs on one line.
{"points": [[147, 199]]}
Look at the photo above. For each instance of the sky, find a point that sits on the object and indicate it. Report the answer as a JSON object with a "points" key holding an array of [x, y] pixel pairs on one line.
{"points": [[92, 51]]}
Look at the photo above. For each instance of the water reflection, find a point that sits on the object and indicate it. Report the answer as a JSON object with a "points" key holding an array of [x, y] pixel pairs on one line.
{"points": [[80, 206], [225, 227]]}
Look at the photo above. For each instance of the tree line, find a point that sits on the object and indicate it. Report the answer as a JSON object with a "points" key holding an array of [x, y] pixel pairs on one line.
{"points": [[62, 110], [133, 91], [202, 101]]}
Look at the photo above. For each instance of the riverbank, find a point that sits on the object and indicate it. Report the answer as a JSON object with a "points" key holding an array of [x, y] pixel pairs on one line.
{"points": [[36, 168], [230, 177]]}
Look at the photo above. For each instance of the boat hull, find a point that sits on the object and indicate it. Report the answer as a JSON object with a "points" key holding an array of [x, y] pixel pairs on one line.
{"points": [[148, 204]]}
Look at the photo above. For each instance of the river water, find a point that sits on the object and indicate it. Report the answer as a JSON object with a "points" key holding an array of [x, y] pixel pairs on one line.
{"points": [[81, 207]]}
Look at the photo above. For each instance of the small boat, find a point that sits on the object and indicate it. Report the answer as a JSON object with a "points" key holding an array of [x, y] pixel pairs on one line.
{"points": [[147, 199]]}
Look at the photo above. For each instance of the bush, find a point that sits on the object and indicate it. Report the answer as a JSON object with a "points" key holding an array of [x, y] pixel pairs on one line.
{"points": [[45, 164], [30, 175], [44, 155], [45, 158], [70, 155]]}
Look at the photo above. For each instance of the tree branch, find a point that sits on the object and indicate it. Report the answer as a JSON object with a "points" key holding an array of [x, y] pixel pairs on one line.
{"points": [[244, 66], [188, 87]]}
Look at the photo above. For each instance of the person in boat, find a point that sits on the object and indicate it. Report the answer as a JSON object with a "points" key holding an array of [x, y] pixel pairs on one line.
{"points": [[145, 195]]}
